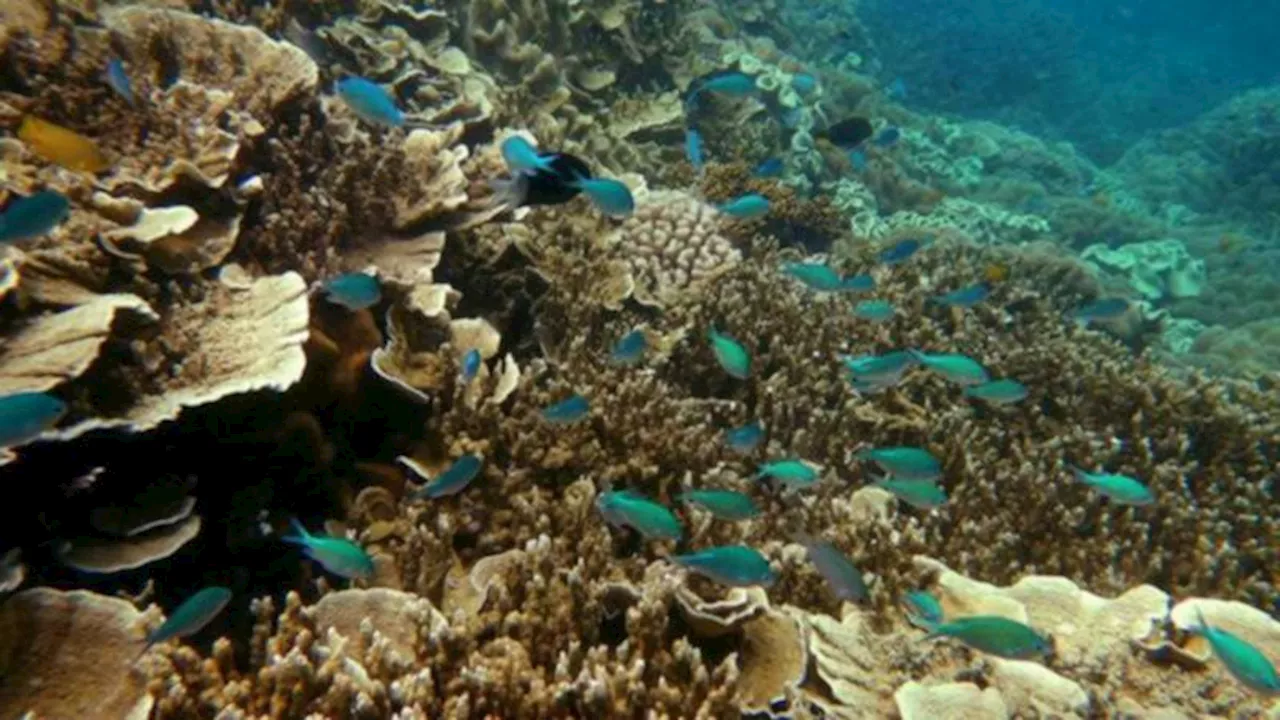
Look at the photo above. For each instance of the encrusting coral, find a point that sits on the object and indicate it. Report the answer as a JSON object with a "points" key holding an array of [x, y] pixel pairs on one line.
{"points": [[179, 302]]}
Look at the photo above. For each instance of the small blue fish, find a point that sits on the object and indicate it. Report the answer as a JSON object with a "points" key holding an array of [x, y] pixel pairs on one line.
{"points": [[623, 508], [34, 215], [1245, 662], [769, 168], [858, 159], [998, 392], [522, 157], [923, 610], [118, 80], [723, 504], [959, 369], [370, 102], [453, 480], [965, 297], [629, 349], [877, 311], [733, 358], [842, 576], [746, 207], [354, 291], [24, 415], [191, 616], [897, 90], [858, 283], [883, 370], [734, 83], [693, 149], [888, 137], [471, 364], [338, 555], [900, 251], [804, 83], [1121, 489], [746, 438], [995, 635], [611, 197], [570, 410], [1104, 309], [815, 276], [793, 472], [919, 494], [733, 565], [907, 463]]}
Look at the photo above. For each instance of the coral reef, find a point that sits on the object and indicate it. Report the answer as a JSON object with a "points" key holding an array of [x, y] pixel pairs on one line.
{"points": [[217, 390]]}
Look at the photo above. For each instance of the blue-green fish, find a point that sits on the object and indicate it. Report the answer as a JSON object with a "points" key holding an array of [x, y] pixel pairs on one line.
{"points": [[858, 283], [453, 480], [1244, 661], [791, 471], [24, 415], [370, 102], [901, 251], [959, 369], [906, 463], [839, 571], [118, 80], [746, 438], [871, 373], [876, 311], [522, 157], [804, 83], [920, 494], [890, 364], [354, 291], [570, 410], [338, 555], [32, 216], [1120, 488], [769, 167], [693, 149], [611, 197], [471, 364], [193, 614], [623, 508], [995, 635], [923, 610], [1104, 309], [998, 392], [746, 207], [723, 504], [965, 297], [629, 349], [815, 276], [733, 565], [730, 354], [732, 83]]}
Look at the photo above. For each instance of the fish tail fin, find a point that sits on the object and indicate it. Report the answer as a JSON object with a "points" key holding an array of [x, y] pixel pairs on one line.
{"points": [[1202, 625], [510, 192], [301, 535], [1079, 474]]}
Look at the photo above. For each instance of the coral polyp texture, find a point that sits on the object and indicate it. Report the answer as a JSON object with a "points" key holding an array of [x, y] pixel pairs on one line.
{"points": [[408, 328]]}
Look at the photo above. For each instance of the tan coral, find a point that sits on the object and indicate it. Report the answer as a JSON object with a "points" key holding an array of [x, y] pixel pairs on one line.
{"points": [[109, 555], [233, 341], [70, 655], [673, 246], [56, 348], [949, 701]]}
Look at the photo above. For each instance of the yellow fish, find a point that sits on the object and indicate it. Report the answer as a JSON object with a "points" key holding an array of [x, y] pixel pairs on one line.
{"points": [[62, 146]]}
